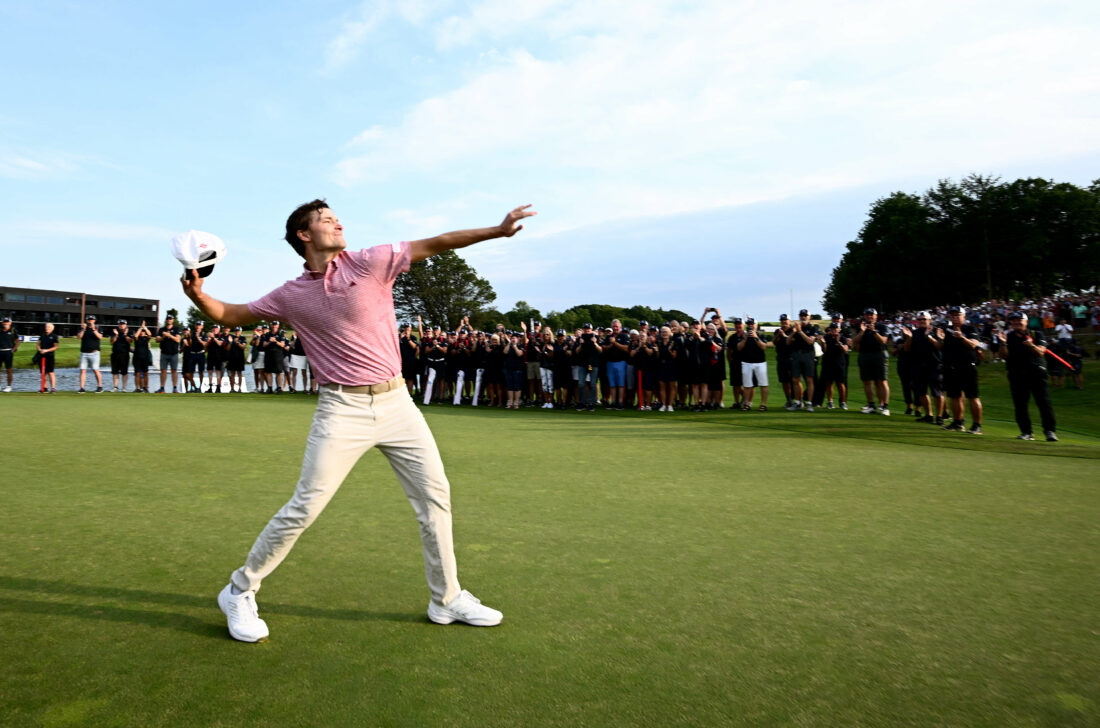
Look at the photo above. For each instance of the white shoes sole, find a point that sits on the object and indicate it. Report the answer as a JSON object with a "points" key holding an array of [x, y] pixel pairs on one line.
{"points": [[476, 614]]}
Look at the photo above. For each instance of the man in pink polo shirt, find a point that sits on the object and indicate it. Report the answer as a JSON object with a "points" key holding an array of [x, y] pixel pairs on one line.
{"points": [[342, 308]]}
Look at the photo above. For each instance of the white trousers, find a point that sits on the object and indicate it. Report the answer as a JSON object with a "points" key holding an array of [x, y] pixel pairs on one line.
{"points": [[477, 385], [460, 380], [344, 427], [547, 380], [429, 385]]}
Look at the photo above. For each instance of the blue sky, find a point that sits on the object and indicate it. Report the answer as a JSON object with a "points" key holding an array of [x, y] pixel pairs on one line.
{"points": [[680, 154]]}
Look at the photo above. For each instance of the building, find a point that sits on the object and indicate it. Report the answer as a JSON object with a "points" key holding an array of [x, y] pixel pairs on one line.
{"points": [[31, 308]]}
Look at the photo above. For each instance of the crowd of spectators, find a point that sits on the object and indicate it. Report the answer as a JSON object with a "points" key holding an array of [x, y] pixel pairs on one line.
{"points": [[705, 364]]}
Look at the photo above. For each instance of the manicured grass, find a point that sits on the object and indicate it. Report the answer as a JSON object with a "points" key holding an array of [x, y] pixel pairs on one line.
{"points": [[718, 569]]}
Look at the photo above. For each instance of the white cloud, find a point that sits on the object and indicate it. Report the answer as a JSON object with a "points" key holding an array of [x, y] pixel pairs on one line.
{"points": [[603, 113], [38, 165]]}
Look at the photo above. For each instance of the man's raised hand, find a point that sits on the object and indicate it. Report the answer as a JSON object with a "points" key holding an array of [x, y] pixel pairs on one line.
{"points": [[509, 226]]}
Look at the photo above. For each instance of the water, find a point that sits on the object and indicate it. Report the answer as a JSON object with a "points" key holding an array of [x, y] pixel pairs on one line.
{"points": [[68, 380]]}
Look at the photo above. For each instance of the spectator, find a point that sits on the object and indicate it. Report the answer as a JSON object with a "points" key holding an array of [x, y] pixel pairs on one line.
{"points": [[926, 370], [834, 367], [235, 344], [959, 345], [803, 362], [47, 347], [143, 358], [90, 338], [216, 354], [871, 342], [781, 343], [256, 354], [514, 368], [1027, 376], [169, 338], [752, 350], [9, 344], [668, 350], [121, 342]]}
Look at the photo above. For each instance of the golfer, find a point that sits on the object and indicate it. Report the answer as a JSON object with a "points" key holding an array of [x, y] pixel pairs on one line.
{"points": [[342, 307]]}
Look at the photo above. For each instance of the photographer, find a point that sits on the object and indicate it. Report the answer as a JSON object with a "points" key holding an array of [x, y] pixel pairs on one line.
{"points": [[1025, 364], [143, 358], [781, 341], [235, 344], [121, 341], [698, 350], [752, 350], [89, 353], [715, 346], [733, 354], [587, 356]]}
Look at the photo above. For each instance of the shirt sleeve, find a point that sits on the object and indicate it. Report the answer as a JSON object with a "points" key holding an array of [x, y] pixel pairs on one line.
{"points": [[268, 307], [385, 262]]}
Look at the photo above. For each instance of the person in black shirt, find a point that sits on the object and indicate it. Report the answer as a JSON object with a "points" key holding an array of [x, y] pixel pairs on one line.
{"points": [[274, 352], [925, 367], [586, 355], [752, 351], [121, 341], [143, 358], [1025, 361], [733, 355], [871, 341], [409, 346], [89, 353], [194, 357], [169, 337], [47, 346], [781, 341], [668, 351], [958, 343], [259, 376], [804, 334], [9, 344], [433, 352], [834, 367], [235, 345], [215, 358], [563, 375], [514, 368]]}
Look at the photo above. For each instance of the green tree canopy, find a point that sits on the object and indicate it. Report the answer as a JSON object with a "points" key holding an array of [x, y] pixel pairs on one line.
{"points": [[973, 240], [443, 290]]}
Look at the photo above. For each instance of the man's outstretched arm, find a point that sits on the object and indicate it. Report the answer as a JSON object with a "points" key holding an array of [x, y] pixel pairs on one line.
{"points": [[426, 248], [226, 314]]}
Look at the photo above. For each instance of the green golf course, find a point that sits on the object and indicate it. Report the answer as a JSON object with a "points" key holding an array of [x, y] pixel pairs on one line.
{"points": [[654, 569]]}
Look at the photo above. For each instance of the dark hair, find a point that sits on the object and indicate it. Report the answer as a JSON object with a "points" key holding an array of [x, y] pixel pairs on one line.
{"points": [[299, 221]]}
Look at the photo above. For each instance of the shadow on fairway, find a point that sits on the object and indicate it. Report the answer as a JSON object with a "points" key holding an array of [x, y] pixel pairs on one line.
{"points": [[201, 626]]}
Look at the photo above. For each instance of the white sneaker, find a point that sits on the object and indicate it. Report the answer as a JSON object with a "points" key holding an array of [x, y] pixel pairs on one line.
{"points": [[465, 608], [670, 409], [884, 410], [241, 614], [808, 408], [844, 405], [868, 409], [7, 389]]}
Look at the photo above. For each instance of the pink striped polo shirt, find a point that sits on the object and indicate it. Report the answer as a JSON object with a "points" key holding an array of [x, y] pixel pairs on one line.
{"points": [[345, 316]]}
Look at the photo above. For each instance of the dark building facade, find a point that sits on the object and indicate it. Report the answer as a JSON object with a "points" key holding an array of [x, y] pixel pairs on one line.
{"points": [[31, 308]]}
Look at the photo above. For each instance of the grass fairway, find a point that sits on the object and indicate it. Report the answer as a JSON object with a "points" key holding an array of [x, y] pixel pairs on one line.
{"points": [[724, 569]]}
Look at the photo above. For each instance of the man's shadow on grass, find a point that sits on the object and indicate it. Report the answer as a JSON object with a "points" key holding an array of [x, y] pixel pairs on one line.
{"points": [[85, 601]]}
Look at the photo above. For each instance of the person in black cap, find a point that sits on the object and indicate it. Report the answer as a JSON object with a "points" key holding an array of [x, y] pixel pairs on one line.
{"points": [[256, 354], [803, 362], [143, 358], [215, 358], [753, 350], [733, 355], [959, 344], [89, 352], [9, 344], [194, 347], [926, 369], [871, 341], [235, 344], [121, 341], [1025, 363], [274, 351], [587, 357], [169, 337], [781, 340]]}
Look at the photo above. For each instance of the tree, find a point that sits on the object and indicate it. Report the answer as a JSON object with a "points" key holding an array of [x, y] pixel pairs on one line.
{"points": [[442, 289], [194, 315]]}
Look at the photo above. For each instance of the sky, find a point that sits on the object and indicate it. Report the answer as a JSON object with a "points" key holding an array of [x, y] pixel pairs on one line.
{"points": [[680, 154]]}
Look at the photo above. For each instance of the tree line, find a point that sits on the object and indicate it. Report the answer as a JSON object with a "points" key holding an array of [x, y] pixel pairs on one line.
{"points": [[977, 239]]}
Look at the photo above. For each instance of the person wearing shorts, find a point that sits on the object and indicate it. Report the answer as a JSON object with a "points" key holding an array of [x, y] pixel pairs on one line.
{"points": [[871, 341], [90, 338], [215, 358], [926, 370], [752, 352], [121, 343], [804, 334], [235, 345], [143, 358], [958, 342], [169, 337], [257, 344], [47, 347], [9, 344], [298, 363]]}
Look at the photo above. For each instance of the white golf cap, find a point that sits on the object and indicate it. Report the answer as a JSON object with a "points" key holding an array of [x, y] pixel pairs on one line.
{"points": [[195, 249]]}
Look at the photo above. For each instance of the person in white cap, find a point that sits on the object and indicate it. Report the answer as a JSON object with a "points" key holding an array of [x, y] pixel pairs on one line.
{"points": [[342, 307]]}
